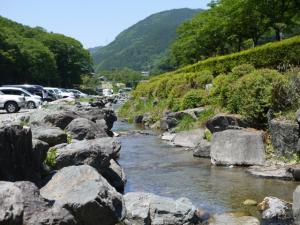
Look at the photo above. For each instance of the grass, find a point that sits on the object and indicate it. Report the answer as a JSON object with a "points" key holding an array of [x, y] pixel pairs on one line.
{"points": [[51, 157], [186, 123]]}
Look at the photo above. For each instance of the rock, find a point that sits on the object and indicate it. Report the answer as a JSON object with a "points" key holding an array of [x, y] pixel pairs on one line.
{"points": [[189, 139], [231, 219], [223, 122], [18, 160], [274, 172], [95, 114], [115, 175], [40, 149], [150, 209], [297, 116], [250, 202], [238, 147], [82, 128], [38, 211], [61, 119], [83, 191], [295, 172], [296, 205], [285, 137], [167, 123], [51, 135], [96, 153], [275, 209], [203, 149], [21, 203], [11, 207], [168, 136], [138, 119], [147, 118], [155, 126]]}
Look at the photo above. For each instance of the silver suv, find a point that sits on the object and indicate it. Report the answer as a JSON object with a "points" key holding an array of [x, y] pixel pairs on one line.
{"points": [[12, 103]]}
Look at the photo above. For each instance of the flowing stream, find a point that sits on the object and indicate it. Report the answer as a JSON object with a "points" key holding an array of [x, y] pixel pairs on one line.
{"points": [[151, 165]]}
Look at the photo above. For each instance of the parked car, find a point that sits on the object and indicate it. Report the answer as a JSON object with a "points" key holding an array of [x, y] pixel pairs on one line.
{"points": [[32, 101], [66, 94], [11, 103], [55, 91], [33, 89], [77, 93]]}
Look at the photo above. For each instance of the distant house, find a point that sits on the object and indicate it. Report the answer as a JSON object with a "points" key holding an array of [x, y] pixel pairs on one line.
{"points": [[145, 73]]}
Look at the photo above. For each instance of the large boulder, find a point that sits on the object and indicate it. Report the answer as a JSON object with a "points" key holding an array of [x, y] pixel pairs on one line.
{"points": [[285, 137], [11, 207], [40, 149], [223, 122], [276, 210], [238, 147], [60, 119], [96, 153], [167, 123], [83, 191], [202, 150], [18, 160], [51, 135], [115, 175], [296, 205], [82, 128], [21, 203], [189, 139], [150, 209], [95, 114]]}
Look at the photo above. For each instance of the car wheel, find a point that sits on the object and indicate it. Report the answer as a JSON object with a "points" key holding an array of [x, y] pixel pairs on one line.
{"points": [[31, 105], [11, 107]]}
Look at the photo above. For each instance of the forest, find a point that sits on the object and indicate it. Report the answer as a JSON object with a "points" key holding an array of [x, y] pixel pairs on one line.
{"points": [[230, 26], [33, 55]]}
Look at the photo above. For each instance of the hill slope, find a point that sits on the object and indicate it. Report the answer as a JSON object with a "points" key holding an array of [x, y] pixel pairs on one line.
{"points": [[139, 46]]}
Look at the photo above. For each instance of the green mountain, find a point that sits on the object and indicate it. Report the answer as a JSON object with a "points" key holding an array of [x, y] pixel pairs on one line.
{"points": [[141, 45]]}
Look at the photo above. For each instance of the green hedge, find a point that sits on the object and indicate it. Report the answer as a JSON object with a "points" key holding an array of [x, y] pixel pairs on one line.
{"points": [[270, 55]]}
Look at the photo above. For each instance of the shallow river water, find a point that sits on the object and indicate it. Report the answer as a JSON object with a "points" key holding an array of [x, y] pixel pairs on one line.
{"points": [[153, 166]]}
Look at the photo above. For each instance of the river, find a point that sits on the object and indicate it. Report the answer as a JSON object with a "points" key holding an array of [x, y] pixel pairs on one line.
{"points": [[151, 165]]}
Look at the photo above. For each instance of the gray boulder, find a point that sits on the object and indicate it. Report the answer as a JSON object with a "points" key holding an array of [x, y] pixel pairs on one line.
{"points": [[296, 205], [82, 128], [238, 147], [231, 219], [203, 149], [11, 207], [138, 119], [21, 203], [96, 153], [40, 149], [150, 209], [276, 210], [189, 139], [51, 135], [167, 123], [285, 137], [83, 191], [60, 119], [223, 122], [95, 114], [115, 175], [18, 160]]}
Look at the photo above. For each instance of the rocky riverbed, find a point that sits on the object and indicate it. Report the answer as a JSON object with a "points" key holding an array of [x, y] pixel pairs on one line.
{"points": [[62, 164]]}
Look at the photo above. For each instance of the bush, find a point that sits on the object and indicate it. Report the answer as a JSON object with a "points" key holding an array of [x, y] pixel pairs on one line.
{"points": [[193, 99], [242, 70], [186, 123], [269, 55], [254, 94]]}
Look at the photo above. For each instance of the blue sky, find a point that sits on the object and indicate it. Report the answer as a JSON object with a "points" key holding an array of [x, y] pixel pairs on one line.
{"points": [[93, 22]]}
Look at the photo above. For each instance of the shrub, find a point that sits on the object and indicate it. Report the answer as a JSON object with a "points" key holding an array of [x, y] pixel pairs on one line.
{"points": [[269, 55], [253, 94], [242, 70], [221, 89], [202, 78], [194, 98]]}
